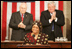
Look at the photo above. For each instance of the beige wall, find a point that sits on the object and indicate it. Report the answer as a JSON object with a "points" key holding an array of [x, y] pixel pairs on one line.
{"points": [[67, 13]]}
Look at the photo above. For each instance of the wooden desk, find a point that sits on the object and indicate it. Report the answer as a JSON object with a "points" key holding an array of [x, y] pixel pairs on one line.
{"points": [[60, 44], [13, 44], [33, 46]]}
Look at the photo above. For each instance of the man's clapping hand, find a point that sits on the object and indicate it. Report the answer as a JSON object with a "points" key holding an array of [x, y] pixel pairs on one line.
{"points": [[21, 25], [53, 17]]}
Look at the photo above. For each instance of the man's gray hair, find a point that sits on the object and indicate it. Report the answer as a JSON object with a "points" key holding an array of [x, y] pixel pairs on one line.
{"points": [[52, 2]]}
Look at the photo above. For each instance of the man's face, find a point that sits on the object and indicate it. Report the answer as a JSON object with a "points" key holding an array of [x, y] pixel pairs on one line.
{"points": [[23, 9], [51, 8]]}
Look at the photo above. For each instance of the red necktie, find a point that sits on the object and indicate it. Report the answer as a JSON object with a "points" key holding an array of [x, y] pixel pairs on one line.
{"points": [[22, 17]]}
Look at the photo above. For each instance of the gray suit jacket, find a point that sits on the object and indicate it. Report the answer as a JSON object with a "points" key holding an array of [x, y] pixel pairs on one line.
{"points": [[18, 33]]}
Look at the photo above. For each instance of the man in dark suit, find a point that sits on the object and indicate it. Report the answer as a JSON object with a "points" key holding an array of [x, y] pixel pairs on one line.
{"points": [[21, 23], [52, 20]]}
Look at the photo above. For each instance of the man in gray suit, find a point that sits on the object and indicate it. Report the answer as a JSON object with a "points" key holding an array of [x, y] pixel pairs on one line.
{"points": [[21, 23]]}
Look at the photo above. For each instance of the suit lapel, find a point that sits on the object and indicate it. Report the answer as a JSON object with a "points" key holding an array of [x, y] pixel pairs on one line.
{"points": [[19, 16], [49, 16], [25, 17], [56, 13]]}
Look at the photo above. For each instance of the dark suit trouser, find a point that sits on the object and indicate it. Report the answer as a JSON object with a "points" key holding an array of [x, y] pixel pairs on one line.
{"points": [[52, 36]]}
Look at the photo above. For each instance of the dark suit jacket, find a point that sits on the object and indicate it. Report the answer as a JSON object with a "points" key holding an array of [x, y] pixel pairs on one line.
{"points": [[18, 33], [47, 27]]}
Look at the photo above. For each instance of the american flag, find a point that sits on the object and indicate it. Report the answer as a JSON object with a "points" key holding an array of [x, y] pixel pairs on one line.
{"points": [[35, 8]]}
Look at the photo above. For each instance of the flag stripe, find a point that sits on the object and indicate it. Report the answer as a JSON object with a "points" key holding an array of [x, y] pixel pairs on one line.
{"points": [[9, 12], [33, 10], [61, 5], [18, 5], [57, 5], [29, 7], [37, 10], [45, 5], [61, 8], [4, 18], [41, 6], [14, 7]]}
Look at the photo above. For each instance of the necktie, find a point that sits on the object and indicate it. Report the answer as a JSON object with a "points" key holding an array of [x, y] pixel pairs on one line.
{"points": [[53, 25], [22, 17]]}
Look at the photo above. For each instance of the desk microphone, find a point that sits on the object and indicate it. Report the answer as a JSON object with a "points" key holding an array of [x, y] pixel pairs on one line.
{"points": [[33, 35]]}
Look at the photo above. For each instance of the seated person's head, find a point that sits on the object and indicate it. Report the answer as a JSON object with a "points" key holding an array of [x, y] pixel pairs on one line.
{"points": [[36, 27]]}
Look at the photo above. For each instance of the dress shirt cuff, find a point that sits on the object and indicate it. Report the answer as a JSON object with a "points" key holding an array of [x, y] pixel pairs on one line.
{"points": [[49, 21]]}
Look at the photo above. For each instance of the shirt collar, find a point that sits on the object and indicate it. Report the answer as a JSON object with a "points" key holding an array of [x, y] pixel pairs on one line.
{"points": [[50, 13], [21, 14]]}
